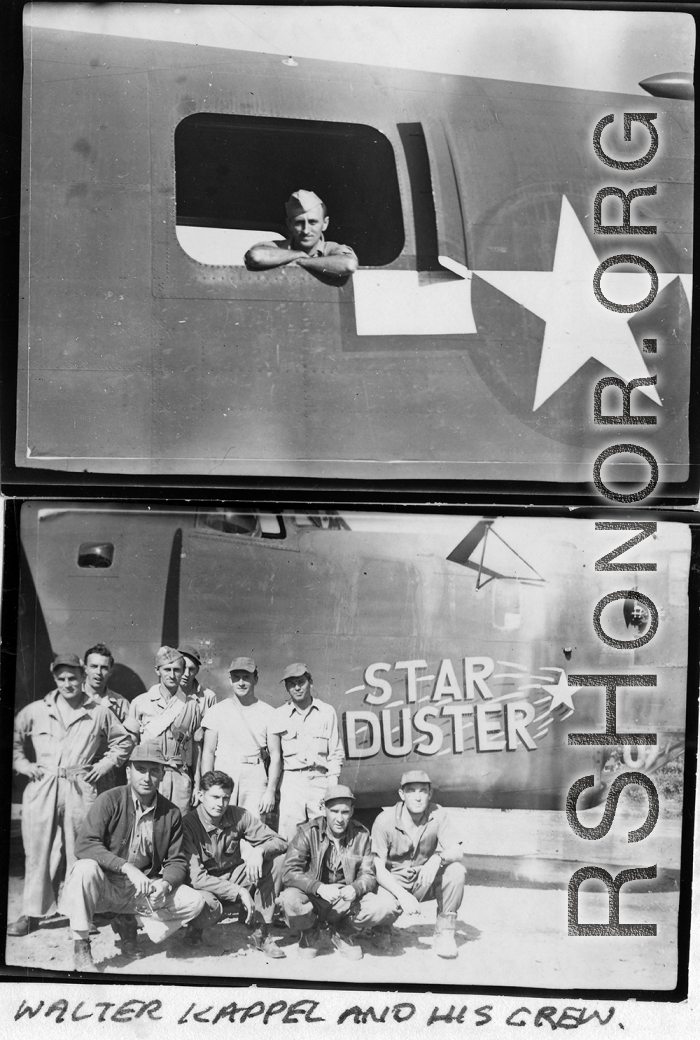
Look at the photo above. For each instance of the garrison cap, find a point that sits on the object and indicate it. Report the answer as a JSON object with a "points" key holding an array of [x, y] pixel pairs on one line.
{"points": [[333, 794], [415, 776], [67, 660], [242, 664], [166, 655], [189, 651], [295, 671], [147, 752], [301, 202]]}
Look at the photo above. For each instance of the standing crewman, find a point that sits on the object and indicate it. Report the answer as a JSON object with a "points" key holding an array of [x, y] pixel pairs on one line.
{"points": [[57, 743], [206, 699], [169, 718], [236, 741], [99, 665], [303, 737]]}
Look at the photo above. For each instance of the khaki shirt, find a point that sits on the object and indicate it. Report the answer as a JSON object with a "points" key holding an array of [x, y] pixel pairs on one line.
{"points": [[405, 854], [114, 701], [141, 840], [309, 739], [174, 741], [322, 248], [57, 746]]}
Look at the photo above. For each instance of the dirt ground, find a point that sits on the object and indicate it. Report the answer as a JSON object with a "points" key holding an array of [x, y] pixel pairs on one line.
{"points": [[512, 928]]}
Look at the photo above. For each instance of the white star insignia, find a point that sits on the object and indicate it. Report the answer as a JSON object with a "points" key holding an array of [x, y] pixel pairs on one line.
{"points": [[562, 693], [578, 327]]}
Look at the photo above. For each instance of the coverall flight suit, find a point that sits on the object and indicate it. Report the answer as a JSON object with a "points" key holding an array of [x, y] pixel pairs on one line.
{"points": [[54, 807]]}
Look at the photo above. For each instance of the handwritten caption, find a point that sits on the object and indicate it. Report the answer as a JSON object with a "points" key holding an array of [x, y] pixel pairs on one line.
{"points": [[309, 1012]]}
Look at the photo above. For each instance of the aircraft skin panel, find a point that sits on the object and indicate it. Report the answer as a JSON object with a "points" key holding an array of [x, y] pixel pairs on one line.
{"points": [[266, 373], [345, 600], [91, 304]]}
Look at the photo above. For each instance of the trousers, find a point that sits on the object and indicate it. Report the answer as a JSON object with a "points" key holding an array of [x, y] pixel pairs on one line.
{"points": [[301, 797], [89, 889], [53, 809], [302, 910], [263, 892], [249, 785], [447, 888], [176, 786]]}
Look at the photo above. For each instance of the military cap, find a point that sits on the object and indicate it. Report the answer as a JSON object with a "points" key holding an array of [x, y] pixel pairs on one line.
{"points": [[333, 794], [189, 651], [415, 776], [295, 671], [147, 752], [301, 202], [166, 655], [242, 664], [67, 660]]}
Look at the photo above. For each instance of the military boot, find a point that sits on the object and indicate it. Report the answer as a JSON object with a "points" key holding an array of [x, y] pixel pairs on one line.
{"points": [[308, 942], [126, 928], [344, 939], [82, 956], [262, 940], [444, 944]]}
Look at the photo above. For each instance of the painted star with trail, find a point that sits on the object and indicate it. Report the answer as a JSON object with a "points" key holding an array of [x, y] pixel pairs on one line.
{"points": [[577, 325], [562, 693]]}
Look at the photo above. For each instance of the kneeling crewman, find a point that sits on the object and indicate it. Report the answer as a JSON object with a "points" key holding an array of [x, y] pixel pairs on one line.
{"points": [[221, 871], [417, 859], [329, 878], [131, 863]]}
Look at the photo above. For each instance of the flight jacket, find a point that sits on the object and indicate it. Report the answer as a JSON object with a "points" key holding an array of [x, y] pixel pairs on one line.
{"points": [[105, 835], [304, 860]]}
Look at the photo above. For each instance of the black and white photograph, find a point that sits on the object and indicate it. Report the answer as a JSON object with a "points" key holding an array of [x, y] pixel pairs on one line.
{"points": [[349, 534], [375, 748], [356, 243]]}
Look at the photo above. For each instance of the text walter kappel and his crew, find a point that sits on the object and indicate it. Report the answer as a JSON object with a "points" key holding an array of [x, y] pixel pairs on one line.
{"points": [[140, 853]]}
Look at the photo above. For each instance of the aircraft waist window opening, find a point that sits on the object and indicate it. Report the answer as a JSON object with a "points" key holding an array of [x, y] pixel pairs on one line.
{"points": [[227, 521], [506, 603], [233, 175], [95, 554]]}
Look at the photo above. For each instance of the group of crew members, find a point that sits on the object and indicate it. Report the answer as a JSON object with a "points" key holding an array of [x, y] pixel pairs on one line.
{"points": [[177, 809]]}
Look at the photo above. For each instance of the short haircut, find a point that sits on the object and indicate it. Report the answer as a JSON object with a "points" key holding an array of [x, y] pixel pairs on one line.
{"points": [[101, 650], [216, 778]]}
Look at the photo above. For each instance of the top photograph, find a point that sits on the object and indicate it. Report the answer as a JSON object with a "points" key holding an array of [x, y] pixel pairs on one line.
{"points": [[358, 244]]}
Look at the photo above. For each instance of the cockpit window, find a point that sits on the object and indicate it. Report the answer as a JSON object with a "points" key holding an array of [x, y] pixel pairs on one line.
{"points": [[233, 175], [252, 525]]}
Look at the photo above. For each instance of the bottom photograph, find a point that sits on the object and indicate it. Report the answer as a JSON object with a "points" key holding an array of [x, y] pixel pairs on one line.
{"points": [[368, 748]]}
